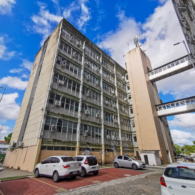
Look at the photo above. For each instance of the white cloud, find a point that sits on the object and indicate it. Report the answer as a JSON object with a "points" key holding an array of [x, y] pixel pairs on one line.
{"points": [[182, 137], [14, 82], [27, 64], [9, 109], [16, 70], [184, 121], [6, 6], [25, 76], [4, 53], [5, 132]]}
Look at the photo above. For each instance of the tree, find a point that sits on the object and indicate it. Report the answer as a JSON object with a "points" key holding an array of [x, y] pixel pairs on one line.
{"points": [[8, 138], [194, 142], [178, 149]]}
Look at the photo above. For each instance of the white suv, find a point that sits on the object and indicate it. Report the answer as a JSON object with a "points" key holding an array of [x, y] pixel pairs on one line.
{"points": [[89, 164], [178, 179], [58, 167]]}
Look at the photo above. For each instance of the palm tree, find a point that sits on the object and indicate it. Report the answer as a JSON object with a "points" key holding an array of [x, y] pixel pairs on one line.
{"points": [[8, 138]]}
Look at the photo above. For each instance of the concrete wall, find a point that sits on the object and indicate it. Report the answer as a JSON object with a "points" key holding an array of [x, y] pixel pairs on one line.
{"points": [[144, 98]]}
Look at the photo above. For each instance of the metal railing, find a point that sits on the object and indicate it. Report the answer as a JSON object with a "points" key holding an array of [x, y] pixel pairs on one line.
{"points": [[179, 103], [59, 136], [64, 89], [111, 142], [94, 85], [91, 100], [91, 118], [60, 110], [124, 113], [64, 70], [171, 65], [108, 79], [90, 139], [68, 38], [94, 59], [110, 93], [110, 123], [127, 128], [89, 67], [121, 88], [110, 107], [127, 143]]}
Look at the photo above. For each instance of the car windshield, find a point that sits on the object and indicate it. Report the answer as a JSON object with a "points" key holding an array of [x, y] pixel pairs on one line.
{"points": [[67, 159], [180, 173]]}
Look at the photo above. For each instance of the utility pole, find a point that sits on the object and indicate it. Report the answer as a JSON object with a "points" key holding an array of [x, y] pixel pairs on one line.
{"points": [[2, 93]]}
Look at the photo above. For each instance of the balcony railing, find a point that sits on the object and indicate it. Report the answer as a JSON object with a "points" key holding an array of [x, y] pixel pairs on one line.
{"points": [[126, 128], [127, 143], [111, 142], [94, 85], [90, 139], [110, 93], [60, 110], [108, 79], [70, 56], [91, 118], [111, 124], [111, 70], [59, 136], [94, 59], [124, 113], [91, 100], [64, 89], [93, 70], [121, 88], [78, 45], [64, 70], [110, 107]]}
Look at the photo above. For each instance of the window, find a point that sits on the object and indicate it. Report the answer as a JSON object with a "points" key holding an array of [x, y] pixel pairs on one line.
{"points": [[92, 54], [55, 160], [126, 158], [110, 117], [90, 93], [93, 131], [135, 139], [67, 159], [109, 101], [180, 173], [107, 87], [120, 157], [48, 160], [78, 158], [93, 110], [91, 64], [108, 66], [92, 78]]}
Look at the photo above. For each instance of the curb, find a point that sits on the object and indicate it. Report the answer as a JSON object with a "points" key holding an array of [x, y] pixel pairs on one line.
{"points": [[16, 178]]}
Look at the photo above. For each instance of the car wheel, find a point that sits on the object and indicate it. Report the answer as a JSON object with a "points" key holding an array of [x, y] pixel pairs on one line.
{"points": [[135, 167], [83, 173], [37, 173], [96, 173], [56, 176], [116, 165], [73, 177]]}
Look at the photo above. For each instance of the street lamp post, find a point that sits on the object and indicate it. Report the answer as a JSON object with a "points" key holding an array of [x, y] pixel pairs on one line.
{"points": [[186, 49], [2, 93]]}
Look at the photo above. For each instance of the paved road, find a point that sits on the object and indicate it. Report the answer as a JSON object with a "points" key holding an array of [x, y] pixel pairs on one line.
{"points": [[34, 186]]}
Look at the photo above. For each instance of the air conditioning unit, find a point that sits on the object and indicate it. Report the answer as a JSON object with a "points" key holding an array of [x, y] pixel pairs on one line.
{"points": [[97, 70], [97, 83], [71, 38], [88, 77], [106, 102], [112, 92], [125, 99], [97, 115], [63, 63], [53, 128], [97, 58], [12, 144], [60, 82], [21, 144], [115, 121], [113, 137], [79, 44], [87, 112], [123, 78], [57, 103], [74, 54], [107, 136]]}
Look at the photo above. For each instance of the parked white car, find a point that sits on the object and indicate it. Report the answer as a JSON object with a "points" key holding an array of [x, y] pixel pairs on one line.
{"points": [[178, 179], [89, 164], [58, 167]]}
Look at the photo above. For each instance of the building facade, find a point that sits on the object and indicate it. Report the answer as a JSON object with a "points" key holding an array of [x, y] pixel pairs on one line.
{"points": [[185, 10], [78, 98]]}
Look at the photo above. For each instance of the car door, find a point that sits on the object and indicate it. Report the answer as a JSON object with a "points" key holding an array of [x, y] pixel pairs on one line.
{"points": [[126, 162], [180, 181], [120, 160], [52, 166], [44, 165]]}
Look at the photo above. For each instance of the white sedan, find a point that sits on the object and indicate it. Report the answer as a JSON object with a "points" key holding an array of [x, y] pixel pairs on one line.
{"points": [[58, 167], [178, 179]]}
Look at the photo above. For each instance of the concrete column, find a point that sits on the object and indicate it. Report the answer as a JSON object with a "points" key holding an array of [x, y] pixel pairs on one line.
{"points": [[102, 112], [80, 103], [119, 122]]}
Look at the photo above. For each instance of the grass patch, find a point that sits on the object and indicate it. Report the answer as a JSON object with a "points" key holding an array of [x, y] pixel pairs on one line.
{"points": [[13, 178]]}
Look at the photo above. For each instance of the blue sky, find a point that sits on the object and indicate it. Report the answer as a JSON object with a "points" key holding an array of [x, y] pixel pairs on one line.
{"points": [[109, 24]]}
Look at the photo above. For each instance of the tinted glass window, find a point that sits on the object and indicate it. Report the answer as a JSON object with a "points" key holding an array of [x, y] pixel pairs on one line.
{"points": [[55, 160], [48, 160], [126, 158], [92, 160], [119, 157], [180, 173], [78, 158], [67, 159]]}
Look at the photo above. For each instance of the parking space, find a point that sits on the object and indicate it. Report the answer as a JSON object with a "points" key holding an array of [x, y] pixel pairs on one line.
{"points": [[36, 186]]}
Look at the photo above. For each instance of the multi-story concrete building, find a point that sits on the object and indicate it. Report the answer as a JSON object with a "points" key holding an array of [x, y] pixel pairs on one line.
{"points": [[78, 98], [185, 10]]}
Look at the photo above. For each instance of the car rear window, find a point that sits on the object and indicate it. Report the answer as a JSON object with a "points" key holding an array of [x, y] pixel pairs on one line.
{"points": [[67, 159], [180, 173], [79, 158], [92, 160]]}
